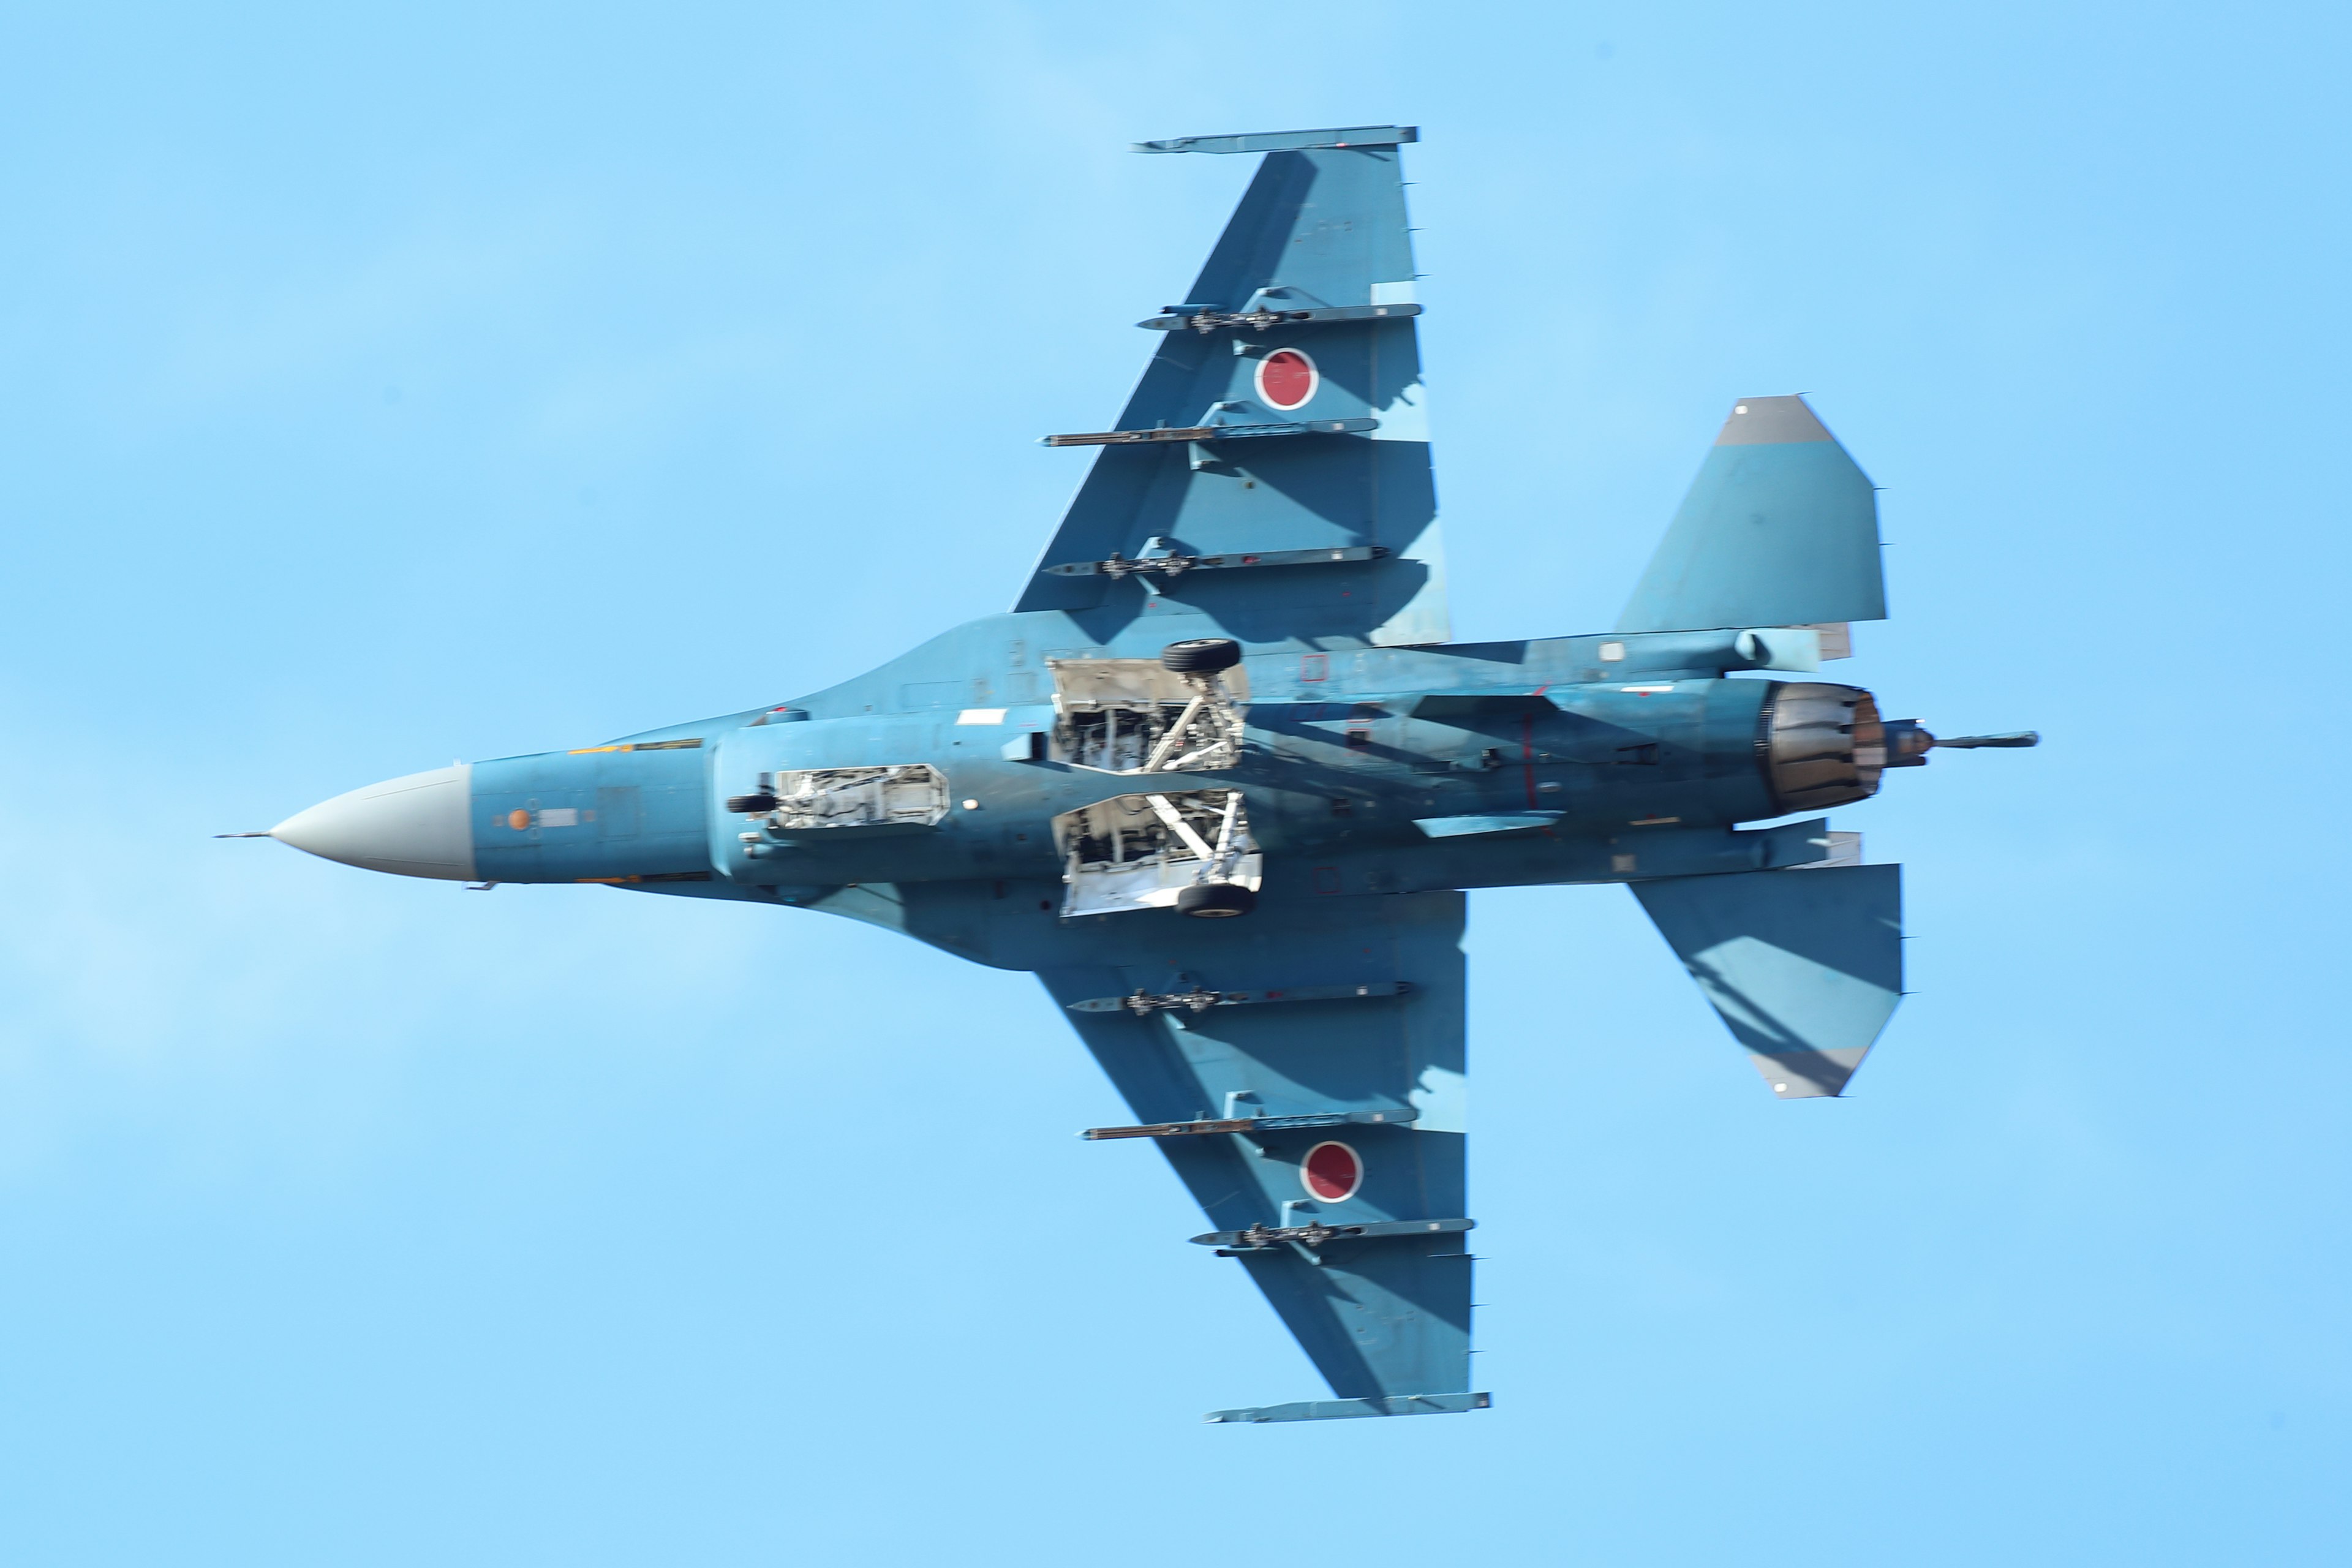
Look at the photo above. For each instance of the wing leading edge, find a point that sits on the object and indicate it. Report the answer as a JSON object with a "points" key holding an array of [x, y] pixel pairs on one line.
{"points": [[1282, 414], [1361, 1248]]}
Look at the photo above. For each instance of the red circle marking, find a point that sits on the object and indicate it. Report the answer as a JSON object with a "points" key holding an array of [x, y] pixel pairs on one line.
{"points": [[1287, 378], [1332, 1171]]}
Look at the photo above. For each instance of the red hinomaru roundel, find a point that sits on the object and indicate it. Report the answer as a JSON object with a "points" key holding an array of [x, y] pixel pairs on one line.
{"points": [[1287, 378], [1331, 1171]]}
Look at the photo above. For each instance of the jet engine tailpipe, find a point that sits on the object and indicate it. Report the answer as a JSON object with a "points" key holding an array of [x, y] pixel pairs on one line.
{"points": [[1822, 746], [1819, 745]]}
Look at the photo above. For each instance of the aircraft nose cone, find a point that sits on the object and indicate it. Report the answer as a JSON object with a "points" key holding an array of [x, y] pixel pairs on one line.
{"points": [[420, 825]]}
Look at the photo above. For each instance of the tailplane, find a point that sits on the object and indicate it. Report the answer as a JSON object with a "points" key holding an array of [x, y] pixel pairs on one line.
{"points": [[1804, 965]]}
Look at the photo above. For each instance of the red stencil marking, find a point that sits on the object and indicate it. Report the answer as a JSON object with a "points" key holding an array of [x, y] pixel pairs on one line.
{"points": [[1332, 1171]]}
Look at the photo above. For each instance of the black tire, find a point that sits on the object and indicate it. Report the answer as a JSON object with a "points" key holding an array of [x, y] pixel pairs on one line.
{"points": [[1201, 655], [1215, 900], [744, 805]]}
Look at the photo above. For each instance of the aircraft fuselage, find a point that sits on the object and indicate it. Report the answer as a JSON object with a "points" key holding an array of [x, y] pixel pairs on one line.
{"points": [[1599, 758]]}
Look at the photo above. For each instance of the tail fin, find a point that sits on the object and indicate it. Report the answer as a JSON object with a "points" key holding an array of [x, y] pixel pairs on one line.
{"points": [[1805, 965], [1780, 529]]}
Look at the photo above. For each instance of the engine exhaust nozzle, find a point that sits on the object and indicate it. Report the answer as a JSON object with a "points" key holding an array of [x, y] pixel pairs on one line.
{"points": [[1820, 746]]}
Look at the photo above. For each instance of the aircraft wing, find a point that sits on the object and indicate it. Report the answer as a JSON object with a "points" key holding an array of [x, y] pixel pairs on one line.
{"points": [[1336, 1022], [1271, 472]]}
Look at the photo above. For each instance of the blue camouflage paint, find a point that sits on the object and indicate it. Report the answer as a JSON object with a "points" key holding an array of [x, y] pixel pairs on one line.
{"points": [[569, 816], [1324, 227], [1804, 971], [1780, 528], [1384, 770]]}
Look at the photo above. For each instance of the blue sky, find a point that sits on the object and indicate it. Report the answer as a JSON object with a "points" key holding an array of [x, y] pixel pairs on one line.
{"points": [[385, 385]]}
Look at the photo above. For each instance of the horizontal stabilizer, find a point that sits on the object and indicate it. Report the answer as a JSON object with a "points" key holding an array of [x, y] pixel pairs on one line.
{"points": [[1804, 965], [1780, 529], [1344, 1409]]}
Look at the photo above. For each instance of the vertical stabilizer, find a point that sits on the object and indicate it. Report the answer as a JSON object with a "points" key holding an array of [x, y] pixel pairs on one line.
{"points": [[1780, 529]]}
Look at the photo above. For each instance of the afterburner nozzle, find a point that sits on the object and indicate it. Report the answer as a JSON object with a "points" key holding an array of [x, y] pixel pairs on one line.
{"points": [[1822, 745]]}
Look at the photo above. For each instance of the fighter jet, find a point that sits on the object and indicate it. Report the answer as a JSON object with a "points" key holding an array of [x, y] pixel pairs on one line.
{"points": [[1221, 777]]}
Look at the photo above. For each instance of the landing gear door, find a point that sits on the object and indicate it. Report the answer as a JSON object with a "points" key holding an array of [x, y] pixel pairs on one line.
{"points": [[1157, 851], [781, 789], [1136, 716]]}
